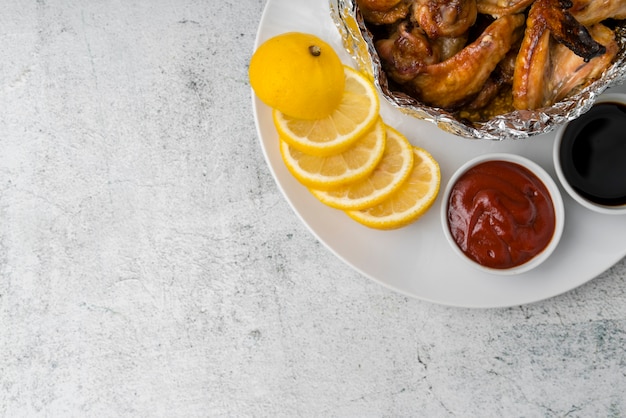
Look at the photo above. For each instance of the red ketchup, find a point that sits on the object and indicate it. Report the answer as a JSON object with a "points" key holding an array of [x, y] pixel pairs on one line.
{"points": [[500, 214]]}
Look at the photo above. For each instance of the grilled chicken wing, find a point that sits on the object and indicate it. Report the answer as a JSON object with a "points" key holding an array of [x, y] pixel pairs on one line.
{"points": [[500, 77], [570, 71], [406, 52], [378, 5], [499, 8], [565, 28], [458, 79], [553, 70], [444, 17], [531, 67], [589, 12], [381, 12]]}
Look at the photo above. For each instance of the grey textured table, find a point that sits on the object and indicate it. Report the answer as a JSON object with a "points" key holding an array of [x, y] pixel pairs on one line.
{"points": [[149, 265]]}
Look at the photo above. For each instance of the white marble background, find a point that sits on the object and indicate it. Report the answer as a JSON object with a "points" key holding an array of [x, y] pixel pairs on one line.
{"points": [[149, 266]]}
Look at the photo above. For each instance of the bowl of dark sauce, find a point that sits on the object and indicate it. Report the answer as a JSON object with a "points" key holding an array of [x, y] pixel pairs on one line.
{"points": [[590, 156]]}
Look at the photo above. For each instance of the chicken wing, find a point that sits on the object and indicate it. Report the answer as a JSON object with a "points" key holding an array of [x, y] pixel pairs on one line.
{"points": [[501, 76], [499, 8], [458, 79], [570, 72], [589, 12], [444, 17], [546, 71], [406, 52], [382, 12], [565, 28], [531, 64], [378, 5]]}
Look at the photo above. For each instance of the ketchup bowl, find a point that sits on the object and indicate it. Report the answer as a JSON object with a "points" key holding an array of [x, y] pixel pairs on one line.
{"points": [[502, 213], [590, 156]]}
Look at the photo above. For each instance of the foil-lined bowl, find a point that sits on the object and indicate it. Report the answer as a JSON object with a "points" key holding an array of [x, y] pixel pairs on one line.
{"points": [[359, 43]]}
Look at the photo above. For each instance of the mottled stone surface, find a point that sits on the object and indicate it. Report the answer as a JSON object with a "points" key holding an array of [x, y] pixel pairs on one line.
{"points": [[150, 267]]}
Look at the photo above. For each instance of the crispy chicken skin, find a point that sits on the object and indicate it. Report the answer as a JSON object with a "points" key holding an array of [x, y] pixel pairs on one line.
{"points": [[382, 12], [456, 80], [569, 71], [444, 17], [502, 7], [589, 12], [531, 67], [565, 28]]}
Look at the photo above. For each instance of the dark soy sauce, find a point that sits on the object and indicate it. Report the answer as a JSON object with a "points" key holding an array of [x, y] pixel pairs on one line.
{"points": [[593, 154]]}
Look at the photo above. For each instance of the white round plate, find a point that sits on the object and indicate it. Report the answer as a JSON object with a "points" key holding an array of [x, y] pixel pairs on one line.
{"points": [[416, 260]]}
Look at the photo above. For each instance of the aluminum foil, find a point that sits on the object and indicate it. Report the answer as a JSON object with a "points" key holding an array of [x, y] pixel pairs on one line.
{"points": [[358, 41]]}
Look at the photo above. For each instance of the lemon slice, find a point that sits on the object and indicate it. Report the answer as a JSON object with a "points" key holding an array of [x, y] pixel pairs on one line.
{"points": [[387, 177], [356, 113], [355, 163], [414, 197]]}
